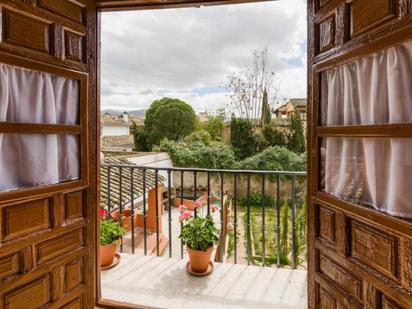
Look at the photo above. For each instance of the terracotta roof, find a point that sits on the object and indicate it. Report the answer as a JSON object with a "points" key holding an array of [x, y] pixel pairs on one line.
{"points": [[297, 102], [126, 183]]}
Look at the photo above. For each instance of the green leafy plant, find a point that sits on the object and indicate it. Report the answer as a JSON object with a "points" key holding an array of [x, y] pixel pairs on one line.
{"points": [[110, 232], [197, 154], [276, 159], [198, 233], [256, 200], [202, 136]]}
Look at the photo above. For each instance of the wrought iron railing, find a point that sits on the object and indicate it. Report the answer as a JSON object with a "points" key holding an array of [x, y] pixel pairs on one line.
{"points": [[127, 187]]}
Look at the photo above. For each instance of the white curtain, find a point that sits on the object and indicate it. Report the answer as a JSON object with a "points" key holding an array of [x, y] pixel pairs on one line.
{"points": [[28, 160], [373, 90]]}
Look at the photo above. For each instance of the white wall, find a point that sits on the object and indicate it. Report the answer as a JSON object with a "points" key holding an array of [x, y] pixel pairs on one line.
{"points": [[158, 159], [115, 130]]}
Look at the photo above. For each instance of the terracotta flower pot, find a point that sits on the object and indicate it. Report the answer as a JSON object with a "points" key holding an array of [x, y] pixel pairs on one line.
{"points": [[107, 253], [126, 218], [199, 260]]}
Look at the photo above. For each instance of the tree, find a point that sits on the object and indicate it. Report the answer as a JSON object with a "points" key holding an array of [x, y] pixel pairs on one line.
{"points": [[297, 139], [169, 118], [242, 138], [140, 137], [247, 88], [266, 110]]}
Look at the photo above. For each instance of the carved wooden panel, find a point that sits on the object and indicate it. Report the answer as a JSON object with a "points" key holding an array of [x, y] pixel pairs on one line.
{"points": [[327, 34], [374, 248], [9, 265], [73, 46], [59, 245], [327, 224], [341, 277], [388, 303], [66, 8], [326, 300], [16, 221], [75, 304], [25, 31], [36, 294], [46, 243], [366, 14], [73, 206], [407, 264], [322, 3], [73, 274]]}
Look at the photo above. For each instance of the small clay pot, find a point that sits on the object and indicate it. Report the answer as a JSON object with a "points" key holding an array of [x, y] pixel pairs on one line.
{"points": [[107, 253], [199, 260], [126, 218]]}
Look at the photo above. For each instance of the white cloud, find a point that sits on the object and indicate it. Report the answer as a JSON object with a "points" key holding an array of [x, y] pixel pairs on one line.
{"points": [[150, 54]]}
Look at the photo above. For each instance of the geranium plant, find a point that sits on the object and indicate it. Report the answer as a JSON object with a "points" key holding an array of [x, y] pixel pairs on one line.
{"points": [[110, 231], [198, 233]]}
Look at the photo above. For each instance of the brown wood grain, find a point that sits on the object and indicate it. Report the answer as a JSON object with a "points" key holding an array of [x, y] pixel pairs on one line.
{"points": [[370, 246], [47, 238]]}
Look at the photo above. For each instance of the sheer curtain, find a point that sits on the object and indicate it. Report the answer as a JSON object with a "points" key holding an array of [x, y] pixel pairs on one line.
{"points": [[372, 90], [28, 160]]}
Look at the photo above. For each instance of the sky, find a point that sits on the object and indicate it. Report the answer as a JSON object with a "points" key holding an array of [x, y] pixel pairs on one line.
{"points": [[188, 53]]}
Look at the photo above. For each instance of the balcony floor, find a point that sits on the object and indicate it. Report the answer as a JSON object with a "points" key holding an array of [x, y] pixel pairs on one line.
{"points": [[164, 283]]}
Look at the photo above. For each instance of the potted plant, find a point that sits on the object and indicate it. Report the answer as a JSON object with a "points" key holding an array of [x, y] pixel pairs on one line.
{"points": [[110, 236], [199, 234]]}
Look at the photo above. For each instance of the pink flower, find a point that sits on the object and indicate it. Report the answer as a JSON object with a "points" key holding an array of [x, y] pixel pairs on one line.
{"points": [[214, 208], [103, 212], [199, 202], [185, 215], [182, 208]]}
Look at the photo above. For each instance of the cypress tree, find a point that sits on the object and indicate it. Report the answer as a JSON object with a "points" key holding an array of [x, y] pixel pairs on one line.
{"points": [[266, 113], [297, 139]]}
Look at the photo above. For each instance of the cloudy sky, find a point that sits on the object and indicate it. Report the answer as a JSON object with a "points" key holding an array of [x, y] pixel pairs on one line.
{"points": [[188, 53]]}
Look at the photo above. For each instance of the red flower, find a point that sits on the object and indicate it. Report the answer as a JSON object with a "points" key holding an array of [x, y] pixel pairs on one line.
{"points": [[214, 208], [103, 212], [182, 208]]}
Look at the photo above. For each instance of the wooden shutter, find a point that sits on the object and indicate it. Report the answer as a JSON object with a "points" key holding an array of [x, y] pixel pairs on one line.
{"points": [[48, 233], [358, 257]]}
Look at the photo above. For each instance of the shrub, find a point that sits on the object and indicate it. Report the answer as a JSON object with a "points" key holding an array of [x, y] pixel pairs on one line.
{"points": [[202, 136], [215, 156], [275, 159], [256, 200], [242, 138], [169, 118], [215, 127], [275, 136]]}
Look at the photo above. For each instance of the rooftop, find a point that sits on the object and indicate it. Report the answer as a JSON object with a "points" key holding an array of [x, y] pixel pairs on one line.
{"points": [[123, 183]]}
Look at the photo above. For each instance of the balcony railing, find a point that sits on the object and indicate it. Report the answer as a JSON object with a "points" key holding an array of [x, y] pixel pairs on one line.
{"points": [[261, 216]]}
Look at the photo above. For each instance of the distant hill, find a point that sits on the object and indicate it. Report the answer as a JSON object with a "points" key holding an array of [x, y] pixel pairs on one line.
{"points": [[137, 112]]}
